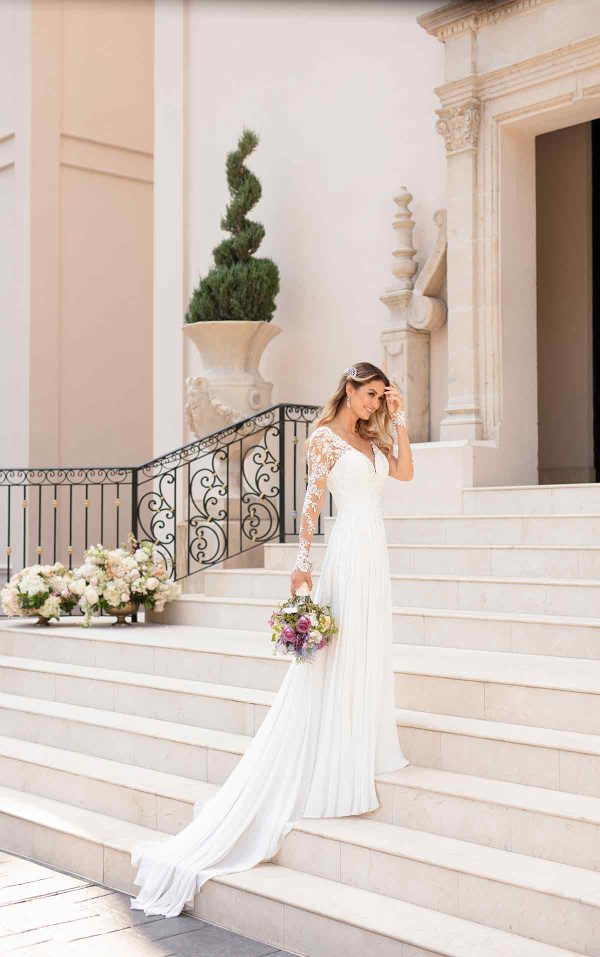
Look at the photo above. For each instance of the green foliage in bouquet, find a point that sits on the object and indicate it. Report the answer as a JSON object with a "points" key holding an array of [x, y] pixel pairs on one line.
{"points": [[239, 286]]}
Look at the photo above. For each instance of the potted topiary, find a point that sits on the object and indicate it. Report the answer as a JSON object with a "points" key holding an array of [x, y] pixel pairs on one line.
{"points": [[230, 311]]}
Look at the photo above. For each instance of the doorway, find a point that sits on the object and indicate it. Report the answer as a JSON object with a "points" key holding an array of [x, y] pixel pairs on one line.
{"points": [[567, 165]]}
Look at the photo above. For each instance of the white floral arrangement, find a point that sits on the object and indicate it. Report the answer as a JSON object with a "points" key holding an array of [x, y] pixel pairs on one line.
{"points": [[44, 590], [112, 578]]}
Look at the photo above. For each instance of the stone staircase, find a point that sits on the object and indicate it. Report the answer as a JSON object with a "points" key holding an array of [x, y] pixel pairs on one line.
{"points": [[488, 845]]}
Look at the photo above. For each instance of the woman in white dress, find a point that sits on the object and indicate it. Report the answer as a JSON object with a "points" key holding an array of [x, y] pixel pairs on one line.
{"points": [[331, 727]]}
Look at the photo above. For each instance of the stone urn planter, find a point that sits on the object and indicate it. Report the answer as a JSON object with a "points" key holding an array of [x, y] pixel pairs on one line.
{"points": [[232, 387]]}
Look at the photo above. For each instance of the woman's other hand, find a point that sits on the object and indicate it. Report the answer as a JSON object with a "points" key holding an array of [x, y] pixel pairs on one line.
{"points": [[298, 577]]}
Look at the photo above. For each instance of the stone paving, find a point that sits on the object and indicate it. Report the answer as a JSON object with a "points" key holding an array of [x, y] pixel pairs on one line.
{"points": [[48, 913]]}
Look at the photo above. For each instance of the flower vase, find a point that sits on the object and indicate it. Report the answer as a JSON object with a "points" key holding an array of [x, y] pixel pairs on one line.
{"points": [[42, 621], [122, 612]]}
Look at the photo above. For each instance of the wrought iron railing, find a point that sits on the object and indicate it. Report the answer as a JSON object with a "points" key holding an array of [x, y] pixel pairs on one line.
{"points": [[202, 504]]}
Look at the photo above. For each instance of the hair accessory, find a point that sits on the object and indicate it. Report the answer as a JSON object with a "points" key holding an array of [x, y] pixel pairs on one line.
{"points": [[351, 372]]}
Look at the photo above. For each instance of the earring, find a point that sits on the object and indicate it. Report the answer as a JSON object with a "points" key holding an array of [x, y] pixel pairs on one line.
{"points": [[348, 401]]}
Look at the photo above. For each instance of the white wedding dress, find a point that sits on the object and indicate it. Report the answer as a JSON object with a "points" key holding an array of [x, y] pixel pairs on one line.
{"points": [[331, 726]]}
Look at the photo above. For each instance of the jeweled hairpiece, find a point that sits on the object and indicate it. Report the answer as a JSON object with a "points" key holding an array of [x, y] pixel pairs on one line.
{"points": [[351, 372]]}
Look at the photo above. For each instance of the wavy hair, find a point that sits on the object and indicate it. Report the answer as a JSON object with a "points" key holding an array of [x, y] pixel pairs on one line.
{"points": [[378, 427]]}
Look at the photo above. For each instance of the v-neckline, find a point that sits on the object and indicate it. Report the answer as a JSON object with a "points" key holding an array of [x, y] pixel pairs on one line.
{"points": [[350, 446]]}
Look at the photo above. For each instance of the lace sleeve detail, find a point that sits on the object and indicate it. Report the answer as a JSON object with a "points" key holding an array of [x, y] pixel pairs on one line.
{"points": [[320, 460]]}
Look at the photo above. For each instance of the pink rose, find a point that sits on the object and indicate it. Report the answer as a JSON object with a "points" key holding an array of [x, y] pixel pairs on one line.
{"points": [[303, 625], [288, 633]]}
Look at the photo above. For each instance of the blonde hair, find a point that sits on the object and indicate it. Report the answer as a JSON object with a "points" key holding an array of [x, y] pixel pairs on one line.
{"points": [[378, 428]]}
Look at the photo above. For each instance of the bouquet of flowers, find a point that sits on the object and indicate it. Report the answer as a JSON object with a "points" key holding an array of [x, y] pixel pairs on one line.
{"points": [[43, 590], [132, 575], [300, 627]]}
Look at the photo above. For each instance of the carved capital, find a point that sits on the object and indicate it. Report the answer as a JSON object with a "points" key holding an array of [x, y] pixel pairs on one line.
{"points": [[459, 125]]}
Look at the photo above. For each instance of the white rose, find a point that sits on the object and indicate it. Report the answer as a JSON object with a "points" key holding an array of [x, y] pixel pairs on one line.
{"points": [[77, 587], [140, 555], [151, 584], [91, 595]]}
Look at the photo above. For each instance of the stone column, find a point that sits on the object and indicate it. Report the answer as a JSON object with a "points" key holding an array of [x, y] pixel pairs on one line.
{"points": [[459, 125]]}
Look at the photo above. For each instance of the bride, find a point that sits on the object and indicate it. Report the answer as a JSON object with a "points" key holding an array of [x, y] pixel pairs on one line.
{"points": [[331, 727]]}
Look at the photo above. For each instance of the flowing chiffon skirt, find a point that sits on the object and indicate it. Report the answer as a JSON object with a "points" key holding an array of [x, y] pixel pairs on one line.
{"points": [[330, 730]]}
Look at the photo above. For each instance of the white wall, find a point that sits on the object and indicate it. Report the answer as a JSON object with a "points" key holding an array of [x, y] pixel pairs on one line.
{"points": [[342, 96], [14, 264]]}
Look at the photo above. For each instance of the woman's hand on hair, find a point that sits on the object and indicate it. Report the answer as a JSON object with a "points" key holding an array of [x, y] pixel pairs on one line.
{"points": [[393, 399]]}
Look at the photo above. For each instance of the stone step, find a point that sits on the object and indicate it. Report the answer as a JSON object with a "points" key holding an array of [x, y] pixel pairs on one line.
{"points": [[524, 561], [535, 821], [527, 595], [143, 796], [559, 760], [555, 903], [535, 690], [204, 754], [286, 908], [532, 499], [180, 651], [229, 708], [518, 689], [516, 529], [398, 861], [559, 635]]}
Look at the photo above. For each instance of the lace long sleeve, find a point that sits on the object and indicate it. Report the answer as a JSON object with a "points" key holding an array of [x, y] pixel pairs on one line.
{"points": [[319, 458]]}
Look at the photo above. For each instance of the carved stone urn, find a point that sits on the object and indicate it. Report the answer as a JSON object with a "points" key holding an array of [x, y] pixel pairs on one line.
{"points": [[232, 387]]}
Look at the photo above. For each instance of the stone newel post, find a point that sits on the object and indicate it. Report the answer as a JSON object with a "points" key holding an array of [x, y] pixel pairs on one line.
{"points": [[414, 314]]}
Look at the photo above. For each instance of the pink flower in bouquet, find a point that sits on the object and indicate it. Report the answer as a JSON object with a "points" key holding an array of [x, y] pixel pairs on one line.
{"points": [[303, 625], [288, 633]]}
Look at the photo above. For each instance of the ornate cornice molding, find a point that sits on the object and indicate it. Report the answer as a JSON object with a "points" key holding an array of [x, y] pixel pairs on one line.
{"points": [[550, 65], [459, 125], [462, 16]]}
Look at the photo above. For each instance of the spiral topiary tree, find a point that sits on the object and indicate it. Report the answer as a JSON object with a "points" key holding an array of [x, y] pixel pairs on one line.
{"points": [[238, 286]]}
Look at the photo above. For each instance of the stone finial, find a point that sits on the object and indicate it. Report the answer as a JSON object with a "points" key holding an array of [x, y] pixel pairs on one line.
{"points": [[459, 125], [415, 311], [403, 267]]}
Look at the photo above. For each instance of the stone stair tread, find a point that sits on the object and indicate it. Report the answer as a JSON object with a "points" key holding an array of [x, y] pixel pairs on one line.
{"points": [[150, 727], [564, 486], [500, 667], [580, 675], [458, 613], [525, 797], [486, 515], [520, 796], [410, 576], [130, 776], [152, 681], [490, 863], [474, 546], [409, 923], [158, 635], [237, 743], [501, 731]]}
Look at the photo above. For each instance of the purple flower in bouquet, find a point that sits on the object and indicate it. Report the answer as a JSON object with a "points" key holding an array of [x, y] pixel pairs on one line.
{"points": [[303, 625], [288, 633]]}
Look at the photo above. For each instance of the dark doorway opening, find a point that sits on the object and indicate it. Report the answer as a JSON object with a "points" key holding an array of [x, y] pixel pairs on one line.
{"points": [[596, 289]]}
